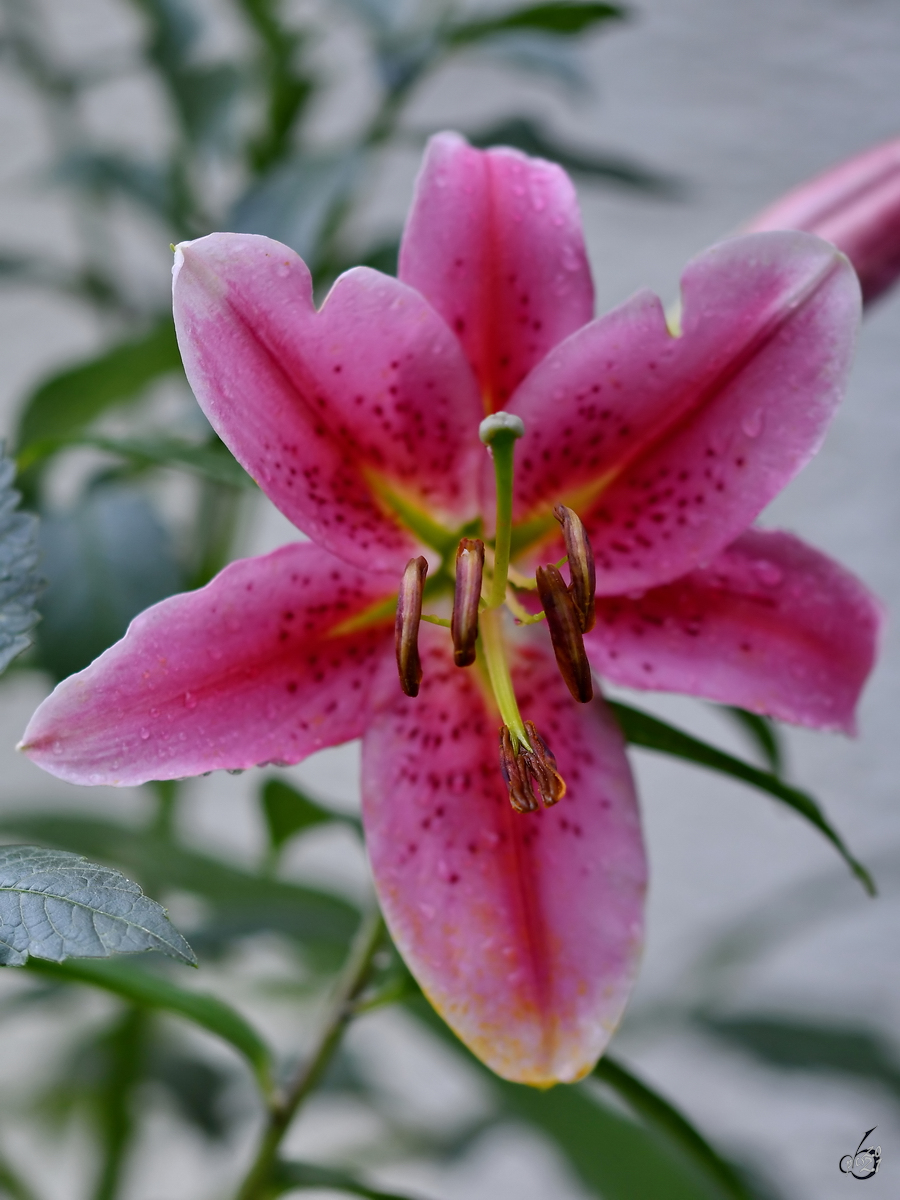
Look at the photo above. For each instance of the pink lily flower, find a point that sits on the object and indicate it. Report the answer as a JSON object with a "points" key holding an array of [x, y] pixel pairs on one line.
{"points": [[363, 421], [856, 206]]}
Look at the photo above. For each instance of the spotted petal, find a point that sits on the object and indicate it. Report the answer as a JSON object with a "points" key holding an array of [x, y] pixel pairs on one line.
{"points": [[771, 625], [253, 668], [494, 242], [668, 447], [331, 411], [524, 930]]}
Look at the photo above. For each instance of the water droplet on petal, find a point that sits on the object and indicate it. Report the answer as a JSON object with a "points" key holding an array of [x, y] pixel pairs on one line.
{"points": [[145, 733], [190, 700], [753, 422], [767, 573]]}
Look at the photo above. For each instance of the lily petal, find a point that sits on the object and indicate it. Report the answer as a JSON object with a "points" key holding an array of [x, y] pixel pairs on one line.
{"points": [[330, 411], [771, 625], [524, 930], [668, 447], [855, 205], [252, 668], [494, 242]]}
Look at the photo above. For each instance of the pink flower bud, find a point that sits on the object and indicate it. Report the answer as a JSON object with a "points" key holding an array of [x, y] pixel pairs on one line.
{"points": [[856, 207]]}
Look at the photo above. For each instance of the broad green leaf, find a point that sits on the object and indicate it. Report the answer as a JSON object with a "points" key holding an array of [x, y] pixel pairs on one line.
{"points": [[529, 136], [20, 584], [295, 202], [288, 811], [613, 1156], [105, 561], [242, 902], [795, 1044], [762, 732], [150, 990], [290, 1175], [562, 19], [641, 729], [660, 1115], [57, 905], [67, 402]]}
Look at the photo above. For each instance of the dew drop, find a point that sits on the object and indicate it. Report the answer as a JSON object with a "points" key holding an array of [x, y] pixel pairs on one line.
{"points": [[752, 423], [767, 573], [190, 700], [145, 733]]}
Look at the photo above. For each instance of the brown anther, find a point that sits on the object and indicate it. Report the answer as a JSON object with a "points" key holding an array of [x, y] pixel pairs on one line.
{"points": [[525, 769], [542, 765], [581, 564], [406, 626], [564, 623], [515, 772], [464, 622]]}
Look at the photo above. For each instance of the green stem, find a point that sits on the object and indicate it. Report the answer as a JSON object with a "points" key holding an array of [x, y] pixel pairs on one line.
{"points": [[256, 1184], [490, 637], [502, 447]]}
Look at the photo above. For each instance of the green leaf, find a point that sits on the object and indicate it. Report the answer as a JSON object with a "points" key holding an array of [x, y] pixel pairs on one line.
{"points": [[614, 1156], [64, 404], [210, 460], [794, 1044], [641, 729], [762, 732], [57, 905], [288, 811], [242, 902], [562, 19], [529, 136], [20, 584], [289, 1175], [150, 990], [659, 1114], [105, 561]]}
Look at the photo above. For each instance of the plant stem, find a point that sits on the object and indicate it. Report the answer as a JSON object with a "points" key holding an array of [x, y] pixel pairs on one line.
{"points": [[350, 983]]}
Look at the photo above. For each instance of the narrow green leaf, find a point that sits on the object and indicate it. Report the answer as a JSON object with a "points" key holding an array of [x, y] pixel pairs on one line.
{"points": [[762, 732], [242, 902], [562, 19], [20, 583], [529, 136], [150, 990], [66, 403], [288, 811], [290, 1175], [57, 905], [795, 1044], [210, 460], [659, 1114], [12, 1183], [641, 729]]}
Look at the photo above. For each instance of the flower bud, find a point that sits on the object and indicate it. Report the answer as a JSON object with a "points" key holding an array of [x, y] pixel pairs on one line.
{"points": [[406, 626], [856, 207], [464, 622], [581, 564], [564, 623]]}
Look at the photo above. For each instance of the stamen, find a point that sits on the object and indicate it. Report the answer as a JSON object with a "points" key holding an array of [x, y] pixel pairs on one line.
{"points": [[464, 622], [564, 623], [581, 564], [524, 769], [406, 626], [514, 768]]}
